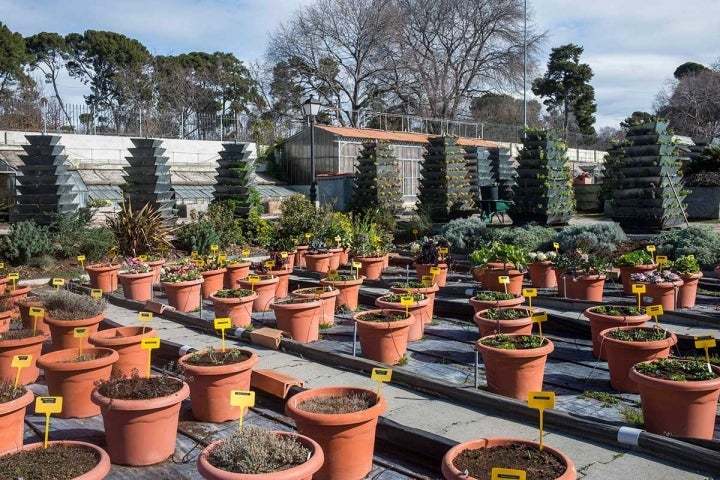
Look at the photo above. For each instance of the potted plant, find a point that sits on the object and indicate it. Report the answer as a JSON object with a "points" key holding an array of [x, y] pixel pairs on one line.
{"points": [[340, 232], [72, 374], [688, 268], [418, 287], [393, 301], [29, 321], [234, 270], [277, 267], [11, 295], [135, 409], [348, 287], [89, 462], [182, 283], [484, 299], [625, 346], [265, 286], [503, 320], [327, 296], [582, 275], [541, 269], [13, 402], [213, 274], [427, 255], [369, 247], [299, 317], [384, 334], [661, 287], [65, 311], [255, 453], [343, 421], [235, 304], [212, 374], [317, 257], [279, 245], [136, 278], [22, 341], [501, 259], [637, 261], [678, 397], [104, 275], [127, 342], [603, 317]]}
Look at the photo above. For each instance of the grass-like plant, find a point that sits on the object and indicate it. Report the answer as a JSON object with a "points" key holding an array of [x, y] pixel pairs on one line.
{"points": [[65, 305], [140, 232]]}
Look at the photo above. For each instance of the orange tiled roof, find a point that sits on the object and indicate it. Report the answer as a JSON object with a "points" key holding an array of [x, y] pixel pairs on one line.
{"points": [[373, 134]]}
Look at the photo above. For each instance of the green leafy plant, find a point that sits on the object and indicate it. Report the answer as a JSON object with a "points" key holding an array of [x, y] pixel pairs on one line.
{"points": [[140, 232], [73, 234], [638, 334], [634, 258], [618, 310], [491, 295], [24, 241], [518, 342], [676, 370], [299, 216], [198, 236], [685, 265], [506, 313], [597, 237], [233, 293], [508, 254]]}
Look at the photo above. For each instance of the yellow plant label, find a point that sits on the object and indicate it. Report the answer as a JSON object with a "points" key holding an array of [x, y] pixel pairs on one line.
{"points": [[214, 248], [253, 279], [269, 264], [145, 316], [507, 474], [194, 254], [21, 361], [415, 231], [407, 300], [37, 311], [654, 310], [661, 259], [337, 239], [199, 262], [356, 264], [81, 332], [283, 254], [541, 400], [539, 317], [222, 323], [96, 293], [142, 258], [81, 258], [13, 275], [48, 405], [319, 291], [381, 374], [245, 253], [705, 341], [556, 245], [58, 282], [435, 270], [650, 248], [308, 235], [2, 264], [222, 257], [443, 250], [503, 279], [638, 288], [427, 280], [242, 398], [150, 343], [529, 292]]}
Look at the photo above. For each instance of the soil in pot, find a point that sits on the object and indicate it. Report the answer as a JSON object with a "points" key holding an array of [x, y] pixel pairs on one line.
{"points": [[537, 464], [62, 460]]}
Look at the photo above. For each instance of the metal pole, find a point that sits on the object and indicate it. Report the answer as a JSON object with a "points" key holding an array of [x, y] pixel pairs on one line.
{"points": [[354, 339], [477, 361], [313, 181], [524, 67]]}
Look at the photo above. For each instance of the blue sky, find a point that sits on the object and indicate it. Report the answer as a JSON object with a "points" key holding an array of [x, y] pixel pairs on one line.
{"points": [[633, 46]]}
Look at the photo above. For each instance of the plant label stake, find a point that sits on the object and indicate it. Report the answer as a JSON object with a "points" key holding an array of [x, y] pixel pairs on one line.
{"points": [[442, 251], [36, 312], [661, 260], [149, 344], [96, 293], [434, 271], [332, 275], [639, 288], [415, 232], [556, 246], [381, 375], [705, 342], [654, 311], [504, 280], [80, 333], [214, 248], [142, 258], [58, 282], [269, 264], [194, 254], [427, 280], [222, 324], [222, 258], [20, 362], [2, 265], [506, 474], [252, 280], [13, 277], [48, 405], [199, 262], [337, 240], [541, 401], [144, 317], [407, 300], [308, 236], [529, 293], [651, 249], [539, 318], [81, 259], [356, 266], [245, 253], [242, 399], [283, 254]]}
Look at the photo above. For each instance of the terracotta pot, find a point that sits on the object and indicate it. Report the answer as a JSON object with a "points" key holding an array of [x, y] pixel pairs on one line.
{"points": [[137, 286], [283, 284], [156, 266], [129, 424], [600, 322], [429, 292], [686, 409], [126, 342], [29, 321], [372, 267], [450, 472], [492, 280], [210, 387], [423, 270], [12, 297], [349, 291], [12, 421], [318, 262], [98, 472], [489, 326], [485, 304], [237, 309], [234, 272], [418, 311], [5, 319], [622, 355], [514, 373], [300, 320], [104, 277], [301, 472], [561, 280], [75, 380], [184, 296], [300, 255], [627, 270], [347, 439], [265, 288], [386, 341], [62, 332], [327, 299], [688, 290], [212, 281], [345, 256], [22, 346], [334, 263], [585, 287], [542, 275], [290, 265], [665, 294]]}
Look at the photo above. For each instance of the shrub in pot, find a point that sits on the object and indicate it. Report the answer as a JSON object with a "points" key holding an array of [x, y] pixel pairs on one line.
{"points": [[20, 342], [136, 278], [427, 255], [418, 309], [637, 261], [349, 288], [688, 268], [418, 287], [65, 311], [183, 284]]}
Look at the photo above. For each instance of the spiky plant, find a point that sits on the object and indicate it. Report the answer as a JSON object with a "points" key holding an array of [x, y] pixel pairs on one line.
{"points": [[140, 232]]}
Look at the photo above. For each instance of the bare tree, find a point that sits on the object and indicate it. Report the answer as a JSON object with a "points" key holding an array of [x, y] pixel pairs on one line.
{"points": [[692, 104]]}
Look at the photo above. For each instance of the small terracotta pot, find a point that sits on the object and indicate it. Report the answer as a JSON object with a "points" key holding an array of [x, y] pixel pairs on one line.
{"points": [[23, 346], [62, 332], [429, 292], [349, 292], [489, 326], [492, 280], [104, 277], [300, 255], [184, 296], [12, 297], [627, 270], [156, 266], [237, 309], [335, 258], [542, 275], [423, 270], [688, 290], [384, 342], [665, 294], [212, 281], [318, 262], [137, 286], [265, 288], [372, 267], [28, 321], [234, 272], [327, 299], [600, 322], [98, 472], [12, 421], [126, 341], [585, 287], [418, 311], [300, 320], [283, 284]]}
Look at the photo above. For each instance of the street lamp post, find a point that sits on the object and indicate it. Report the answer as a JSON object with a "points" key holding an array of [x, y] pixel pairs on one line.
{"points": [[311, 107]]}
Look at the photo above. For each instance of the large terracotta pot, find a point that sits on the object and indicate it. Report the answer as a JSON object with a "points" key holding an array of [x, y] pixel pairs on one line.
{"points": [[627, 270], [301, 472], [213, 281], [12, 421], [62, 332], [349, 291], [318, 262], [237, 309], [683, 408], [423, 270], [429, 292], [265, 288], [28, 321], [485, 304], [137, 286], [75, 380], [300, 319], [383, 341], [514, 373], [184, 296], [234, 272], [542, 274], [622, 355], [327, 299], [104, 277], [585, 287], [600, 322], [140, 432], [491, 326], [22, 346], [492, 280], [347, 439], [418, 311], [450, 472], [665, 294], [283, 284], [126, 341], [688, 290], [98, 472], [210, 387], [156, 266], [372, 267]]}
